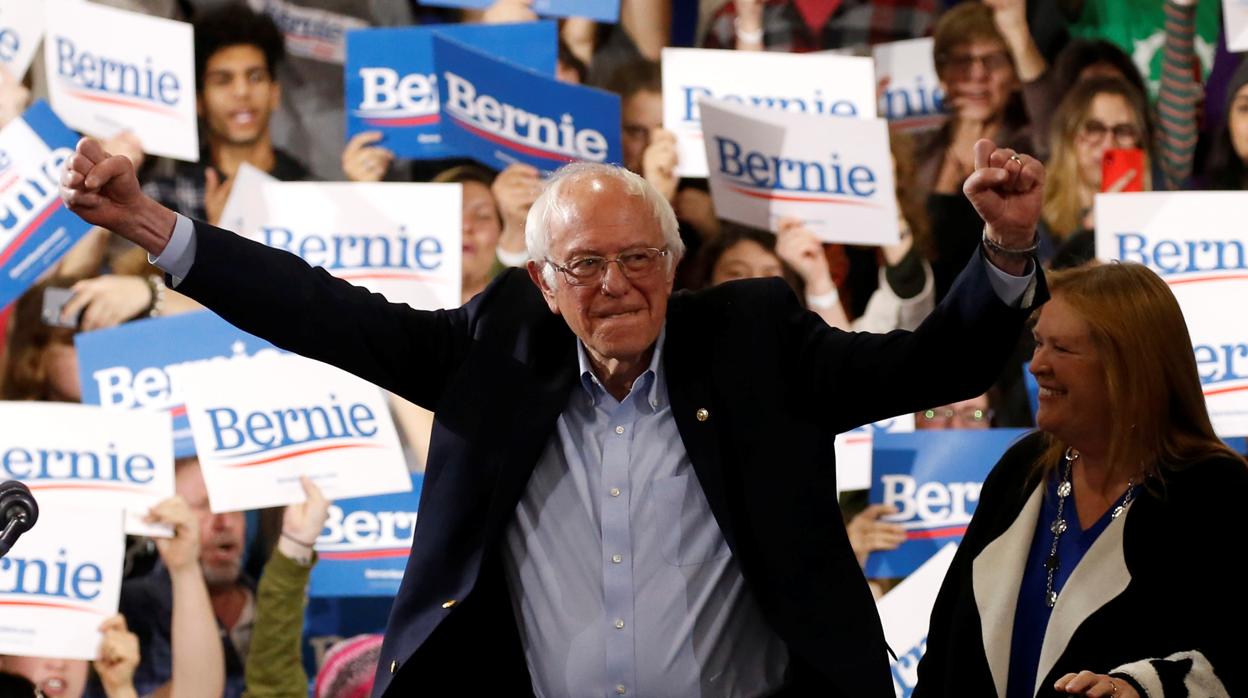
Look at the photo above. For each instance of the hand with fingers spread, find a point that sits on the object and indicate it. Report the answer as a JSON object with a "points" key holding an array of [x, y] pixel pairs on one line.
{"points": [[363, 160], [658, 163], [103, 189], [107, 301], [181, 552], [800, 249], [302, 523], [1007, 190], [1092, 685], [119, 657], [216, 194], [868, 534]]}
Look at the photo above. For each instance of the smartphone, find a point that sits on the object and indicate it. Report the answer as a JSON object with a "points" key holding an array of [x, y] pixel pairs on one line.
{"points": [[54, 300], [1120, 163]]}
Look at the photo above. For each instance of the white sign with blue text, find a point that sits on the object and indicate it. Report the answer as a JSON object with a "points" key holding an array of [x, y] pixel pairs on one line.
{"points": [[136, 365], [499, 113], [103, 82], [21, 26], [36, 229], [72, 455], [597, 10], [933, 478], [1195, 242], [261, 423], [363, 548], [61, 580], [912, 99], [827, 85], [904, 613], [392, 84], [402, 240], [853, 451], [834, 174]]}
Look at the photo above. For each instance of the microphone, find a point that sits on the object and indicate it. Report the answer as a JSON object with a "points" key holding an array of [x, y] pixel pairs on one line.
{"points": [[18, 513]]}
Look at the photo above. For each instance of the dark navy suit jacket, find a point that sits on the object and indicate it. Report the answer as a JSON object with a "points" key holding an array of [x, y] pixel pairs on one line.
{"points": [[776, 383]]}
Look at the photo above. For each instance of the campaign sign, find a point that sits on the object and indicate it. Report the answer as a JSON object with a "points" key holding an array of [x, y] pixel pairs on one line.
{"points": [[260, 423], [61, 580], [36, 229], [72, 455], [912, 98], [392, 85], [1235, 23], [824, 84], [834, 174], [905, 612], [364, 546], [853, 451], [310, 32], [21, 26], [105, 82], [598, 10], [499, 113], [137, 365], [402, 240], [246, 196], [1195, 242], [933, 477]]}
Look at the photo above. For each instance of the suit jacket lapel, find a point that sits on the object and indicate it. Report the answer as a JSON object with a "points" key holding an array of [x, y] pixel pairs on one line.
{"points": [[1100, 576], [996, 575]]}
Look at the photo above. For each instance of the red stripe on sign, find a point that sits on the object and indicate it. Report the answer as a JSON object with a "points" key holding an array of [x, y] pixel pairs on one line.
{"points": [[8, 182], [1223, 391], [802, 199], [527, 150], [403, 121], [937, 533], [363, 554], [1214, 277], [30, 230], [857, 439], [49, 604], [83, 486], [405, 276], [296, 454], [179, 411], [122, 102]]}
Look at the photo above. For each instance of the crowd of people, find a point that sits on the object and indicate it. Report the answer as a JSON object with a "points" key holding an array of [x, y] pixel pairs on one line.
{"points": [[219, 608]]}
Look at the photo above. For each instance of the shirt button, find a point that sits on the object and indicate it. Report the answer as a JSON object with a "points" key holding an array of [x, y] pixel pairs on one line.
{"points": [[617, 558], [619, 430], [619, 688], [615, 491], [619, 623]]}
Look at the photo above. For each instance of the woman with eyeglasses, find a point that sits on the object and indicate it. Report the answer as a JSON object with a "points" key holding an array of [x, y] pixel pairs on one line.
{"points": [[1098, 114], [1100, 559]]}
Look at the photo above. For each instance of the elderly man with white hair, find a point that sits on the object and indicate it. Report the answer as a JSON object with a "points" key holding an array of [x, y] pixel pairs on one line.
{"points": [[628, 492]]}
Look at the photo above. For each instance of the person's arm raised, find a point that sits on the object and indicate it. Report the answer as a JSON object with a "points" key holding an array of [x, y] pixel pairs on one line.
{"points": [[1007, 190], [104, 190]]}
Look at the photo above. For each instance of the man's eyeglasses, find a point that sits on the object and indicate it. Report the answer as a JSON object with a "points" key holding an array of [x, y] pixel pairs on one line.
{"points": [[634, 264], [1125, 134], [966, 414]]}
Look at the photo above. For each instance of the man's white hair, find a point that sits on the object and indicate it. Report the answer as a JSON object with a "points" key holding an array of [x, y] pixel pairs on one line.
{"points": [[551, 206]]}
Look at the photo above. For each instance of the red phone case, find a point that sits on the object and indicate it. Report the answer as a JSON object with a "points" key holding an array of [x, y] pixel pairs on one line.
{"points": [[1117, 163]]}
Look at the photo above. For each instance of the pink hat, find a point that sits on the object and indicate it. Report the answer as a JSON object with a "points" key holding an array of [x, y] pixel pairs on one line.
{"points": [[348, 669]]}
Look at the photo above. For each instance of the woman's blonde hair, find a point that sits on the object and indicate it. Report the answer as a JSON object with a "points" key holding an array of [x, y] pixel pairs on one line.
{"points": [[1063, 208], [1158, 420]]}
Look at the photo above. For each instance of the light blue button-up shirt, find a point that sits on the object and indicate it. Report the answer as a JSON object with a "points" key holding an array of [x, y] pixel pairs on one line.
{"points": [[620, 577]]}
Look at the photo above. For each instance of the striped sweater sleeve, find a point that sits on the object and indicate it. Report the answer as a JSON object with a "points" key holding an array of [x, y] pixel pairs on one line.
{"points": [[1179, 95]]}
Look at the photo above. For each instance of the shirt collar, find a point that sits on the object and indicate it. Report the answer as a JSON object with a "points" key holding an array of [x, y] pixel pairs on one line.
{"points": [[649, 381]]}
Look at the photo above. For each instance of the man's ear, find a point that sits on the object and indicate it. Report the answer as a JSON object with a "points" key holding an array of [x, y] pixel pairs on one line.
{"points": [[535, 273]]}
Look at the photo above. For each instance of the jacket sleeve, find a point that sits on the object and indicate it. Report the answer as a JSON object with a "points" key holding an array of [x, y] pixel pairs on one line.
{"points": [[274, 665], [954, 354], [275, 295]]}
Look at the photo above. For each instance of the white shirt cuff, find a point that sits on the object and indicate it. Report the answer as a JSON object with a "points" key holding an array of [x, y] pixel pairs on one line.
{"points": [[179, 253], [1014, 291], [511, 259]]}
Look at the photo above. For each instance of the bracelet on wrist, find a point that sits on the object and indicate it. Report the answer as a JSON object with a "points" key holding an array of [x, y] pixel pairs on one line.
{"points": [[1027, 252], [156, 286], [824, 301], [296, 541]]}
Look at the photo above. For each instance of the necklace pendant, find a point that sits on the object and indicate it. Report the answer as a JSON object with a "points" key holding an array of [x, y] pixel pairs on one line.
{"points": [[1050, 599], [1058, 527], [1063, 490]]}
